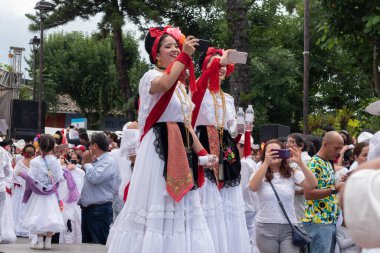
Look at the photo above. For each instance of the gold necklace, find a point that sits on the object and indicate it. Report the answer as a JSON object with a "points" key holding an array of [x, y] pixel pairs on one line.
{"points": [[219, 125], [186, 116]]}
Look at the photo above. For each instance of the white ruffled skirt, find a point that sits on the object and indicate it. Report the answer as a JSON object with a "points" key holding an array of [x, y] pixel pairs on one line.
{"points": [[7, 234], [212, 206], [43, 215], [151, 221], [234, 216], [19, 211]]}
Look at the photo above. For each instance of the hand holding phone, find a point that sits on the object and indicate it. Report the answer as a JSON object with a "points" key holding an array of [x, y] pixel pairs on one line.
{"points": [[203, 45], [236, 57], [282, 153]]}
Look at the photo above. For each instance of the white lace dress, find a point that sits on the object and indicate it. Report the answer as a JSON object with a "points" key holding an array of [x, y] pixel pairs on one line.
{"points": [[18, 193], [151, 221], [42, 211], [228, 203]]}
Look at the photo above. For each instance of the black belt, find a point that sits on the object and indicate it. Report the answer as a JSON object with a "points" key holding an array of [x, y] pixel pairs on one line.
{"points": [[95, 206]]}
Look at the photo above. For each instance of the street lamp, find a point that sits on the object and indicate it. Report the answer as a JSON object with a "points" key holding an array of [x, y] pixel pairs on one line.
{"points": [[43, 7], [34, 46]]}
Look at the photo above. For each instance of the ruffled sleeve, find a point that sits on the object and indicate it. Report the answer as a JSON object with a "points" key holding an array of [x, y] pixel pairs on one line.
{"points": [[147, 101]]}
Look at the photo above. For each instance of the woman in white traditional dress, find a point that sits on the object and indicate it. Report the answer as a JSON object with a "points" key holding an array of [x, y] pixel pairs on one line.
{"points": [[19, 189], [44, 216], [7, 234], [72, 215], [163, 211], [214, 123]]}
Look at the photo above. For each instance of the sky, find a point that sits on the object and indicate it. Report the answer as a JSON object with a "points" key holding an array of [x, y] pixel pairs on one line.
{"points": [[14, 28]]}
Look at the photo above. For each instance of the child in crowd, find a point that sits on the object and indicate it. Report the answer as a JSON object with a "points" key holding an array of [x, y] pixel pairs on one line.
{"points": [[44, 216]]}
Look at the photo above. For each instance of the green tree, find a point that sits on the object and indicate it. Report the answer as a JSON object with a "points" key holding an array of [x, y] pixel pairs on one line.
{"points": [[83, 67], [358, 23]]}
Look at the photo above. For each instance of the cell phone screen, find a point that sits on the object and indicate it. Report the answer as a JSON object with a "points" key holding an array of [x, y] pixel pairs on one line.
{"points": [[283, 153], [73, 161]]}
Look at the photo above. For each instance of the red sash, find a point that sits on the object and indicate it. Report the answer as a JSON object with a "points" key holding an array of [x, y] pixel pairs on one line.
{"points": [[158, 109]]}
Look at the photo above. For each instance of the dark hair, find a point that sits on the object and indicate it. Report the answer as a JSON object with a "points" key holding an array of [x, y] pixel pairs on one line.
{"points": [[149, 41], [285, 169], [359, 147], [348, 140], [314, 143], [28, 146], [46, 143], [328, 128], [299, 140], [202, 58], [5, 143], [59, 141], [101, 140], [114, 137], [82, 133]]}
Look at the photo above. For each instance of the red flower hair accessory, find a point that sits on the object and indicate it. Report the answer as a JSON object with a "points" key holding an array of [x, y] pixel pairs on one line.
{"points": [[157, 34]]}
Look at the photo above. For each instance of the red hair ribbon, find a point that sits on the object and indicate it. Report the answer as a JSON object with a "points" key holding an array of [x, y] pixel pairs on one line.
{"points": [[157, 34], [212, 72]]}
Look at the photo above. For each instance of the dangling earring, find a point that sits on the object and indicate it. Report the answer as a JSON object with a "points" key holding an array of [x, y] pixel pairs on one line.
{"points": [[158, 64]]}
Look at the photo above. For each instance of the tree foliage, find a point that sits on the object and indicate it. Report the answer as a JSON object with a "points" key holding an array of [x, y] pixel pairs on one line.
{"points": [[83, 67]]}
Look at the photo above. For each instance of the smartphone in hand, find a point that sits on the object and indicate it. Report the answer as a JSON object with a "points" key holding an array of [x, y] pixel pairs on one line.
{"points": [[236, 57], [203, 45], [282, 153]]}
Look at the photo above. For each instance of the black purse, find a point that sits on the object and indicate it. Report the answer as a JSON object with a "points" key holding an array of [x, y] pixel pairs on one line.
{"points": [[299, 237]]}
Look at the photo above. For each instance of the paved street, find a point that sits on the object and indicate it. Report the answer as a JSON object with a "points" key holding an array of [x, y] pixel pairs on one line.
{"points": [[23, 245]]}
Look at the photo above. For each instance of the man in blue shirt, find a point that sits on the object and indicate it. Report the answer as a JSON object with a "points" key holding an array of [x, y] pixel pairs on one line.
{"points": [[98, 190]]}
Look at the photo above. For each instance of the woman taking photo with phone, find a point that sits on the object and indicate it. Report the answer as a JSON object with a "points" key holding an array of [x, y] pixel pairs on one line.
{"points": [[214, 117], [162, 213], [274, 233]]}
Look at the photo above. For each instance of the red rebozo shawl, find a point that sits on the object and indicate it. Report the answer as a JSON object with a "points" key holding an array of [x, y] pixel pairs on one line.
{"points": [[160, 107]]}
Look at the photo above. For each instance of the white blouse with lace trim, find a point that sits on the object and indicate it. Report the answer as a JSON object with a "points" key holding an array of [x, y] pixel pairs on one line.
{"points": [[172, 112], [207, 112]]}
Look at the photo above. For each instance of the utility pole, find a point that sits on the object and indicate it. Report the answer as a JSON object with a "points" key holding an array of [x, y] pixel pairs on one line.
{"points": [[306, 54]]}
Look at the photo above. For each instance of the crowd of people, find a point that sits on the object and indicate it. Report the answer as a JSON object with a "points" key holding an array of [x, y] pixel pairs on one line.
{"points": [[185, 177]]}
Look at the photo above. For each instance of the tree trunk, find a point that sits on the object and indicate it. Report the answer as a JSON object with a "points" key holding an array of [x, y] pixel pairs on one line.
{"points": [[119, 51], [237, 21], [375, 66]]}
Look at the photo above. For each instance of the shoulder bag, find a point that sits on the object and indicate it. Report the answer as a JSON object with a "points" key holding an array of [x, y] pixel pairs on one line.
{"points": [[299, 237]]}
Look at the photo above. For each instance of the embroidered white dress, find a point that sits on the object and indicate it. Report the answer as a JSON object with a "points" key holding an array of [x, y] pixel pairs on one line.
{"points": [[232, 207], [18, 193], [151, 221], [43, 213], [72, 215]]}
